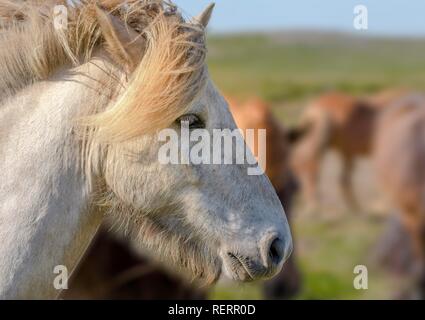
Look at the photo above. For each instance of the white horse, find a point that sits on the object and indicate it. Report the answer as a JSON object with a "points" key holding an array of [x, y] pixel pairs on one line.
{"points": [[79, 109]]}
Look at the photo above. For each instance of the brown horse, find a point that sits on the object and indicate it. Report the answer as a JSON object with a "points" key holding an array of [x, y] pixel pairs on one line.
{"points": [[399, 157], [112, 270], [386, 97], [341, 122]]}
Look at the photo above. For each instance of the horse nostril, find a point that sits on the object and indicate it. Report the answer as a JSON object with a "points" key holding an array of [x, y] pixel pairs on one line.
{"points": [[276, 251]]}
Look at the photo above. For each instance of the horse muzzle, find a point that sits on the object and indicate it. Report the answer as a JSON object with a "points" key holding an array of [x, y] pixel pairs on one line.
{"points": [[262, 262]]}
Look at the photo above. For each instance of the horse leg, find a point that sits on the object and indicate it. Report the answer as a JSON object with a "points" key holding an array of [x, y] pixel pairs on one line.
{"points": [[309, 179], [286, 284], [415, 224], [347, 182], [394, 249]]}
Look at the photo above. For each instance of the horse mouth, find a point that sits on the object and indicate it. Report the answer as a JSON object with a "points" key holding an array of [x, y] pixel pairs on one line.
{"points": [[237, 268]]}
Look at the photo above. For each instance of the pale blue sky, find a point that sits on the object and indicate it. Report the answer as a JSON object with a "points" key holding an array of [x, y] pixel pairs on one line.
{"points": [[387, 17]]}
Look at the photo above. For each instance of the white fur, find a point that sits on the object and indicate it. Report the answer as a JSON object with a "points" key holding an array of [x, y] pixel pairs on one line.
{"points": [[56, 185]]}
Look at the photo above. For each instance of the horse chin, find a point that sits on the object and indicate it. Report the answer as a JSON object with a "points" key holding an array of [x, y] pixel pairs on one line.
{"points": [[212, 277], [192, 257], [210, 274]]}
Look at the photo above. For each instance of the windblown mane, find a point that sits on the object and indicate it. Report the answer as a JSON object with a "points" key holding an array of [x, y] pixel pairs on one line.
{"points": [[162, 86]]}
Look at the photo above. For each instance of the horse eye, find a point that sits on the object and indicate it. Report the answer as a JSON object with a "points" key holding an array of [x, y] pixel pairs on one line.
{"points": [[194, 121]]}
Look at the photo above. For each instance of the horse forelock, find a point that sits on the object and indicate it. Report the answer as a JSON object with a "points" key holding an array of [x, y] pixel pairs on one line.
{"points": [[163, 86], [168, 78]]}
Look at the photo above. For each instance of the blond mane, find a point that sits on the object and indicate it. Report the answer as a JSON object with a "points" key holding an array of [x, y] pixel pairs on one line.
{"points": [[159, 89]]}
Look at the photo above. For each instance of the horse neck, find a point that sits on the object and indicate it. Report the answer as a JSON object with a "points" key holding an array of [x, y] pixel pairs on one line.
{"points": [[44, 196]]}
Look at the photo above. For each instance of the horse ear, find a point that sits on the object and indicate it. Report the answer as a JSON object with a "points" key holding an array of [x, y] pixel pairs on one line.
{"points": [[205, 16], [123, 43]]}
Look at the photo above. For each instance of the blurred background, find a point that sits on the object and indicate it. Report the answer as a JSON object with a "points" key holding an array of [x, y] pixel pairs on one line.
{"points": [[287, 53], [283, 58]]}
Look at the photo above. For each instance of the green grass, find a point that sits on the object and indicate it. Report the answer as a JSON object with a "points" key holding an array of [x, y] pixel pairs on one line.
{"points": [[329, 252], [281, 70], [287, 69]]}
